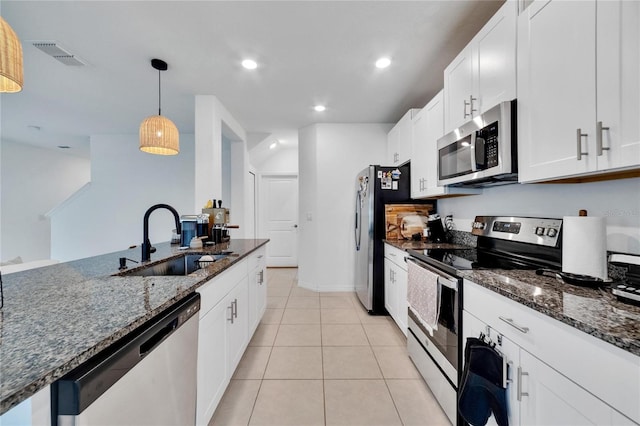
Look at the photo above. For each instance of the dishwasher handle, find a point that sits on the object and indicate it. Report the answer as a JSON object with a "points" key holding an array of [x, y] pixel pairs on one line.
{"points": [[155, 340]]}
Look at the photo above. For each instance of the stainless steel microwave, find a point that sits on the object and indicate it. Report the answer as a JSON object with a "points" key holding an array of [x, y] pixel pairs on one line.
{"points": [[482, 152]]}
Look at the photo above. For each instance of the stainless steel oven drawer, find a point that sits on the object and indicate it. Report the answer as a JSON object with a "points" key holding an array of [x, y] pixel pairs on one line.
{"points": [[442, 389]]}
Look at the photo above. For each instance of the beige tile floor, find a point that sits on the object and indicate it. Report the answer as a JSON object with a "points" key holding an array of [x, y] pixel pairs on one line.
{"points": [[320, 359]]}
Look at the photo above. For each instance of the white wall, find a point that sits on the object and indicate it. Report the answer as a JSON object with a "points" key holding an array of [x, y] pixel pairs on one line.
{"points": [[211, 121], [617, 200], [125, 182], [282, 160], [34, 180], [330, 156]]}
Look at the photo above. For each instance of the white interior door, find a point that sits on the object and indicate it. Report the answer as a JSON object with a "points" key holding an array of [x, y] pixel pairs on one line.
{"points": [[279, 211]]}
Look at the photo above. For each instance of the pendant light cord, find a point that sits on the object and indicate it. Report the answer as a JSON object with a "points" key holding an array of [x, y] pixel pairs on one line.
{"points": [[159, 95]]}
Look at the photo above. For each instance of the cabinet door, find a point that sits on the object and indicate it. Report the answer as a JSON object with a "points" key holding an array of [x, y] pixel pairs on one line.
{"points": [[212, 361], [257, 296], [472, 327], [402, 316], [549, 398], [390, 292], [238, 328], [405, 136], [393, 156], [458, 90], [618, 85], [495, 47], [556, 96], [420, 153]]}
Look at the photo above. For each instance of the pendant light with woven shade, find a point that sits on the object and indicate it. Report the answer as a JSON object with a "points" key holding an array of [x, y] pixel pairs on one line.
{"points": [[158, 134], [11, 73]]}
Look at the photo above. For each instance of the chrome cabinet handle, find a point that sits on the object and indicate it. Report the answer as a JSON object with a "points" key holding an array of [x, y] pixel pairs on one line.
{"points": [[579, 136], [234, 308], [261, 277], [465, 115], [231, 317], [471, 109], [514, 325], [520, 394], [599, 130]]}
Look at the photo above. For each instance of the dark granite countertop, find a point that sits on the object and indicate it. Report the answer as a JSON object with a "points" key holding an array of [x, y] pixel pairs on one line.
{"points": [[595, 311], [56, 317], [423, 245]]}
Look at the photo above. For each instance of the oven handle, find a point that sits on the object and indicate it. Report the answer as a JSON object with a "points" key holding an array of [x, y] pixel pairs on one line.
{"points": [[444, 279]]}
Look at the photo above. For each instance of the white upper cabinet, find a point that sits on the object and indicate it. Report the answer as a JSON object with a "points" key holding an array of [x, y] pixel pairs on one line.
{"points": [[578, 88], [399, 140], [428, 126], [484, 73], [618, 84]]}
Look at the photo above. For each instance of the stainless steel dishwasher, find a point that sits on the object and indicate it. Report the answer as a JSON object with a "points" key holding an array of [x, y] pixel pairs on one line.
{"points": [[146, 378]]}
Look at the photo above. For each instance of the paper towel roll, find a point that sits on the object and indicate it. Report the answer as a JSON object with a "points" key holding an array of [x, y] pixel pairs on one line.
{"points": [[584, 246]]}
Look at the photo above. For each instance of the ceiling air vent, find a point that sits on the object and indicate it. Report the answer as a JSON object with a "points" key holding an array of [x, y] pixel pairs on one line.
{"points": [[53, 49]]}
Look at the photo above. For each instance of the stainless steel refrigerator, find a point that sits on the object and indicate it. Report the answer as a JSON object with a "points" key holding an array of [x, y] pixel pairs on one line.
{"points": [[375, 187]]}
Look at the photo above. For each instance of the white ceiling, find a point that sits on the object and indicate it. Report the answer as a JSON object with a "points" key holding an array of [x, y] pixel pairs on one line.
{"points": [[308, 52]]}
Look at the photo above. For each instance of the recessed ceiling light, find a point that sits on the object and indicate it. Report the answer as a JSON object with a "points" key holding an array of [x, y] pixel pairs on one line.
{"points": [[383, 62], [250, 64], [319, 108], [273, 145]]}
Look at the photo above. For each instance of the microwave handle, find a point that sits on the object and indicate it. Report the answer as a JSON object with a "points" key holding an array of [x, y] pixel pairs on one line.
{"points": [[472, 153]]}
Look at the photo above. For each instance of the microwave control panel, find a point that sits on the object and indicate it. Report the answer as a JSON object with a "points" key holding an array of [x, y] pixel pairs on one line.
{"points": [[487, 157]]}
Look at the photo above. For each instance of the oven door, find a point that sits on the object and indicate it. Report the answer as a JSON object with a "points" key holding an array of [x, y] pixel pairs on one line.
{"points": [[444, 338]]}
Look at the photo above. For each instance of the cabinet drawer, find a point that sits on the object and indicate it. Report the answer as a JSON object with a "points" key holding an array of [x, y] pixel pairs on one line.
{"points": [[395, 255], [256, 259], [601, 368], [216, 288]]}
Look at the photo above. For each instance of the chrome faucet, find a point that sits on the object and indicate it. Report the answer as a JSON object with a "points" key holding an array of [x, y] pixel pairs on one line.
{"points": [[147, 249]]}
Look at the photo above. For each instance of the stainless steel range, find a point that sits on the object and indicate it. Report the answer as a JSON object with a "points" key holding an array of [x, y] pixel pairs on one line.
{"points": [[435, 345]]}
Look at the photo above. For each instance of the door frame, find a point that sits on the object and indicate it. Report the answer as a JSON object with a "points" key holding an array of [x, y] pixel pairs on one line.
{"points": [[262, 227]]}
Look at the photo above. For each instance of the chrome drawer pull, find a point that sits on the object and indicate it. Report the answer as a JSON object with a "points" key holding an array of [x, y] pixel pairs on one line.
{"points": [[514, 325]]}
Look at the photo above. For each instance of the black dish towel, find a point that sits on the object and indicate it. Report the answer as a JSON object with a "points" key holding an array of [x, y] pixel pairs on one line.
{"points": [[481, 392]]}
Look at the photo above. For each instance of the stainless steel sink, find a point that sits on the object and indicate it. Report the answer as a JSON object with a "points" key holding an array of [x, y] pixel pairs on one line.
{"points": [[183, 265]]}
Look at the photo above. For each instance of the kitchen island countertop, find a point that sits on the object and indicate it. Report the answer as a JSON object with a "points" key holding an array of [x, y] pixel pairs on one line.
{"points": [[56, 317]]}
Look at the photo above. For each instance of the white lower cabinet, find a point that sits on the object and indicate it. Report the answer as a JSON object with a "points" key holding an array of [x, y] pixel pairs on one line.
{"points": [[395, 285], [212, 361], [232, 305], [551, 371], [257, 287], [237, 323]]}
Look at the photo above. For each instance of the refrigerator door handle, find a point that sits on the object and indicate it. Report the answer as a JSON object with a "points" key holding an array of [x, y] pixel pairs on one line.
{"points": [[358, 228]]}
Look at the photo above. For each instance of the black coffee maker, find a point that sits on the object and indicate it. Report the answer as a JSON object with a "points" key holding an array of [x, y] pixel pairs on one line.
{"points": [[435, 229]]}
